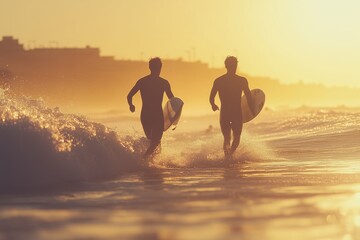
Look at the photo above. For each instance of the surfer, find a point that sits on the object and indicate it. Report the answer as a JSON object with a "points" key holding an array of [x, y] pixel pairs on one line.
{"points": [[152, 88], [230, 87]]}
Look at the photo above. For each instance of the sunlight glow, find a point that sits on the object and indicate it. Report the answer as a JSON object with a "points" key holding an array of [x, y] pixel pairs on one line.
{"points": [[290, 40]]}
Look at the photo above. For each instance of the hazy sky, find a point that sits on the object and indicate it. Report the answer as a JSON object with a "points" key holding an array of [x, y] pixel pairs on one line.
{"points": [[291, 40]]}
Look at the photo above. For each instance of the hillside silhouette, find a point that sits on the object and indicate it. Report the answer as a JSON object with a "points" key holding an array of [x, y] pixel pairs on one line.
{"points": [[80, 79]]}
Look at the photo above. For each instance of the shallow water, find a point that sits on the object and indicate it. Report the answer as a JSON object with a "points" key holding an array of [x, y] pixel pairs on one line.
{"points": [[296, 175], [261, 201]]}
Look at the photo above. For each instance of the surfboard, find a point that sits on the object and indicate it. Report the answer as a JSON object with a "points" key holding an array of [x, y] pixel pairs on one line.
{"points": [[258, 98], [172, 112]]}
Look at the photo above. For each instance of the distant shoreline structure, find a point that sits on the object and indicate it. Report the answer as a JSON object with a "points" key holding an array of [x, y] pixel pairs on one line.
{"points": [[11, 46], [80, 79]]}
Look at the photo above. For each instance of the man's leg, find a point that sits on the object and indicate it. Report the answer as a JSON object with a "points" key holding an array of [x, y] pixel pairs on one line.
{"points": [[154, 144], [146, 124], [226, 131], [152, 147], [157, 131], [237, 129]]}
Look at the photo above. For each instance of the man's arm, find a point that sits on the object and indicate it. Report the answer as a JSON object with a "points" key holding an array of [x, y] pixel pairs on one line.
{"points": [[168, 91], [132, 92], [213, 92], [248, 97]]}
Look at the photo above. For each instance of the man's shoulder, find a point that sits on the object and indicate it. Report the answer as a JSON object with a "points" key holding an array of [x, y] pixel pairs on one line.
{"points": [[241, 79], [164, 80], [141, 80], [224, 77], [144, 78], [221, 78]]}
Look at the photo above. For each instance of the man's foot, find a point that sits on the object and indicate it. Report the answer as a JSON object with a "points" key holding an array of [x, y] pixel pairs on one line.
{"points": [[226, 148], [158, 149], [152, 151], [228, 155]]}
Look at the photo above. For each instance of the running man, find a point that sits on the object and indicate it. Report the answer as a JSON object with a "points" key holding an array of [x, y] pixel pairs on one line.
{"points": [[152, 88], [230, 87]]}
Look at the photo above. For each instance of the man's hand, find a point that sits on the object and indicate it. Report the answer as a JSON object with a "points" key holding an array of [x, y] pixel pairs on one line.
{"points": [[132, 108], [214, 107]]}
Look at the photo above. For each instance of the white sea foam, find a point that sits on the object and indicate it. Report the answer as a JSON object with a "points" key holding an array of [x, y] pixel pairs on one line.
{"points": [[41, 147]]}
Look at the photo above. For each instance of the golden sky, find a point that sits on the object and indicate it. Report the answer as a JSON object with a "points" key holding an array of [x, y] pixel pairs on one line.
{"points": [[290, 40]]}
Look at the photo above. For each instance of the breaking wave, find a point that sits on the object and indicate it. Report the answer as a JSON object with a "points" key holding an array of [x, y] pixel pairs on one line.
{"points": [[40, 148]]}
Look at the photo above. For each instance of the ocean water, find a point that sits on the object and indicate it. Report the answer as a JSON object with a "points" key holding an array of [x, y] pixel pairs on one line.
{"points": [[295, 175]]}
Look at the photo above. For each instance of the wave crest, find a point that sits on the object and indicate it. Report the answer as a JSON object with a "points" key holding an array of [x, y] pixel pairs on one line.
{"points": [[42, 147]]}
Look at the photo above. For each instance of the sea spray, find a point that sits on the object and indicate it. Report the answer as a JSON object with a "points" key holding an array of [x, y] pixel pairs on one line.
{"points": [[200, 149], [42, 147]]}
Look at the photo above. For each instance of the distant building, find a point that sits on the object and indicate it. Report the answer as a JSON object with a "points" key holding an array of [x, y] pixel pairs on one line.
{"points": [[10, 45], [82, 79]]}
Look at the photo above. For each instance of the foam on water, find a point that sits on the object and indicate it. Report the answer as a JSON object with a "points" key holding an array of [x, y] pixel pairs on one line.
{"points": [[204, 150], [323, 134], [41, 147]]}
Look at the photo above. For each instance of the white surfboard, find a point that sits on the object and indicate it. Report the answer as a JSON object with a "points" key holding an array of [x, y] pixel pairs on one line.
{"points": [[258, 98], [172, 112]]}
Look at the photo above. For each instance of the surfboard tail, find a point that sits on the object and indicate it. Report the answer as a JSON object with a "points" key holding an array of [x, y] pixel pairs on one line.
{"points": [[172, 112]]}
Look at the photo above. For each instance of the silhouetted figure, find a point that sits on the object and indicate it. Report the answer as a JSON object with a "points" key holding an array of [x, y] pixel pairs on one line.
{"points": [[152, 88], [230, 87]]}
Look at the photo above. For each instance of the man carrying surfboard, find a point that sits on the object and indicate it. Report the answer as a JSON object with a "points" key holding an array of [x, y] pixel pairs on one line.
{"points": [[152, 88], [230, 87]]}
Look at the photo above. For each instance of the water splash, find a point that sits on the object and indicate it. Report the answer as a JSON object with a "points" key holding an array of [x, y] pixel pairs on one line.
{"points": [[40, 146]]}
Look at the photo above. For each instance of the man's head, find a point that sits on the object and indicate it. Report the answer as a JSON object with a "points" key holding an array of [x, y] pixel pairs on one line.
{"points": [[231, 64], [155, 66]]}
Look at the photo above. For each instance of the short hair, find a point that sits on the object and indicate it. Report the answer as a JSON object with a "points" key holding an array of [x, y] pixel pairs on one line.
{"points": [[155, 63], [230, 61]]}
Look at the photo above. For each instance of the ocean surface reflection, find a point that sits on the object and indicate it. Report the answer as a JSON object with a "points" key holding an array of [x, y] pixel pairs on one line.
{"points": [[221, 203]]}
